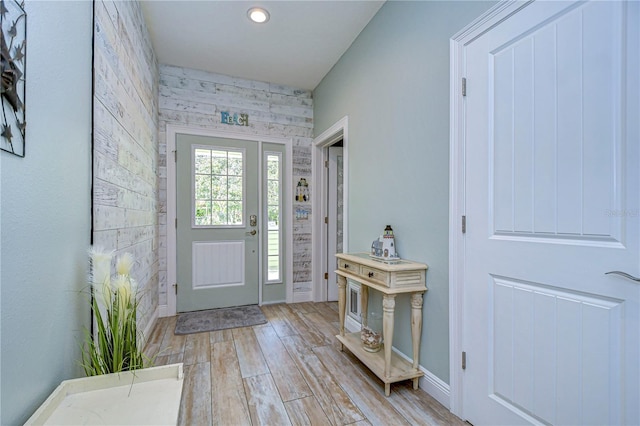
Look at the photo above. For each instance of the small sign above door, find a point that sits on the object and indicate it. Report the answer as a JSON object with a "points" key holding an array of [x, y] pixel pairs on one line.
{"points": [[234, 119]]}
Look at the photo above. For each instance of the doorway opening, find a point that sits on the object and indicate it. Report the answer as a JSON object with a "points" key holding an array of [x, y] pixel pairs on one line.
{"points": [[276, 259], [330, 171], [334, 213]]}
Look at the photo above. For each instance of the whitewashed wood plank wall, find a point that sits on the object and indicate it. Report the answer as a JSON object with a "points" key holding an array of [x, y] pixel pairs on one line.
{"points": [[196, 98], [134, 99], [125, 213]]}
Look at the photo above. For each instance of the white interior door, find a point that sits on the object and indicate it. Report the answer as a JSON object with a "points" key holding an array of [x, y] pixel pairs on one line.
{"points": [[551, 202], [335, 204]]}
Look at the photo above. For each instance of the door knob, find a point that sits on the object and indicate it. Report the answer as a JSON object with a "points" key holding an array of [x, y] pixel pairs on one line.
{"points": [[252, 232], [624, 274]]}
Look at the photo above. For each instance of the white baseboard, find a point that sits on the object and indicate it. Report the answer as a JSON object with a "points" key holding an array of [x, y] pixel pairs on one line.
{"points": [[163, 311], [430, 383], [435, 387], [302, 296]]}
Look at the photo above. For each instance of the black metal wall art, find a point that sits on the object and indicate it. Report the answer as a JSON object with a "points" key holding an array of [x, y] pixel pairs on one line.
{"points": [[13, 50]]}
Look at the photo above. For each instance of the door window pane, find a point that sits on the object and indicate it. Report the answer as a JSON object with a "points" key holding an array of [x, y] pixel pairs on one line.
{"points": [[219, 162], [203, 212], [234, 209], [218, 186], [203, 187], [235, 164], [203, 161], [234, 188], [219, 213]]}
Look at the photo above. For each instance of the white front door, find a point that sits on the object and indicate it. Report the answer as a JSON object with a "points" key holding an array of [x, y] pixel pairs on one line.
{"points": [[551, 200]]}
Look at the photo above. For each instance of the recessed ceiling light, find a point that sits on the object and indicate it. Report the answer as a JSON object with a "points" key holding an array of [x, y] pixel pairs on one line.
{"points": [[258, 15]]}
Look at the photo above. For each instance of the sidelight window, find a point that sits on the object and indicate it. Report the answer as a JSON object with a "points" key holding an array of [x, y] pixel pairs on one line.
{"points": [[273, 181]]}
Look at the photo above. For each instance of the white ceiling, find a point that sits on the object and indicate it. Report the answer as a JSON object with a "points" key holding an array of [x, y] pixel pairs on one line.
{"points": [[297, 47]]}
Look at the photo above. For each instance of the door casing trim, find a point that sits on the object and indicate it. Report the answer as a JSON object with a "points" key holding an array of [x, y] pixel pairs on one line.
{"points": [[171, 133], [476, 28], [319, 204]]}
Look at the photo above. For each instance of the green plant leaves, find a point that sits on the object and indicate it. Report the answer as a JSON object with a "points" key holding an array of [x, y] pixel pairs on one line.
{"points": [[115, 345]]}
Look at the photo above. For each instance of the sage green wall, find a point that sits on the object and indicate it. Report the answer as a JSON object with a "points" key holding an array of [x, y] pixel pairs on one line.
{"points": [[46, 211], [393, 83]]}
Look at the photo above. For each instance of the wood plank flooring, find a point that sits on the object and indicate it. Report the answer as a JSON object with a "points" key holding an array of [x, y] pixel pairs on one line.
{"points": [[289, 371]]}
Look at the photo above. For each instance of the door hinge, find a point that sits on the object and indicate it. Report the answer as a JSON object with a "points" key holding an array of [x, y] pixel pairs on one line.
{"points": [[326, 163], [175, 156], [464, 86], [464, 224], [326, 219], [464, 360], [326, 275], [175, 288], [176, 223]]}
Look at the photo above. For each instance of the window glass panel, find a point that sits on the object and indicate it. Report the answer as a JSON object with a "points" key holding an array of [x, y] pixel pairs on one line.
{"points": [[235, 164], [235, 188], [219, 162], [219, 213], [235, 213], [273, 167], [203, 187], [273, 274], [273, 192], [203, 161], [203, 213], [274, 243], [274, 212], [273, 258], [218, 187], [274, 216]]}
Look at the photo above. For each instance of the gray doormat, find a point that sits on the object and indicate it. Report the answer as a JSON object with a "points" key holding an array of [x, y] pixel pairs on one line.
{"points": [[219, 319]]}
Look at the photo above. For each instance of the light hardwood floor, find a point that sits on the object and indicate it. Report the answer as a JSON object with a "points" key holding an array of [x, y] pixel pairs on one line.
{"points": [[288, 371]]}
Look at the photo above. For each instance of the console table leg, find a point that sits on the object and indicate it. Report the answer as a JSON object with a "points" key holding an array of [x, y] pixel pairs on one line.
{"points": [[388, 306], [416, 328], [387, 389], [342, 298], [364, 305]]}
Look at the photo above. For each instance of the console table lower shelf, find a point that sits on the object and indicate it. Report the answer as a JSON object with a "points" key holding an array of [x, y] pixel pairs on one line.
{"points": [[400, 368]]}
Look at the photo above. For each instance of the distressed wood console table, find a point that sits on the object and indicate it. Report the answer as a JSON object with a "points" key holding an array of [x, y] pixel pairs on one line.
{"points": [[389, 278]]}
